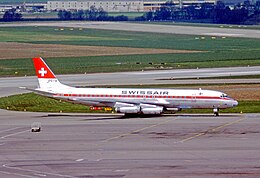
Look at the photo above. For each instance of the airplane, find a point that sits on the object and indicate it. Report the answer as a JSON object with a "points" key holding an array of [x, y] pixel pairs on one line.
{"points": [[130, 100]]}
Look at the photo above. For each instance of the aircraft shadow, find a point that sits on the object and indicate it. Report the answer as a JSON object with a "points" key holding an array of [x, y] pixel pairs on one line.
{"points": [[93, 117]]}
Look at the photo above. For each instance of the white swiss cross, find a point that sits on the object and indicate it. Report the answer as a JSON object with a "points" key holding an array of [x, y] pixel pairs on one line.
{"points": [[42, 72]]}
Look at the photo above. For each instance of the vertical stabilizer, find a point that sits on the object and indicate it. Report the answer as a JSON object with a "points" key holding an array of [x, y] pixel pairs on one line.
{"points": [[46, 78]]}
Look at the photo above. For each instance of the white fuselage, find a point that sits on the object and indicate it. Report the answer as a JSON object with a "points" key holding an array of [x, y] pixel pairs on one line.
{"points": [[145, 98]]}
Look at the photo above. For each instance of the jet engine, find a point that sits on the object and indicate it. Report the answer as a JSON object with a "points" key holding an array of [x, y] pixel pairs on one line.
{"points": [[128, 110], [136, 110], [157, 110]]}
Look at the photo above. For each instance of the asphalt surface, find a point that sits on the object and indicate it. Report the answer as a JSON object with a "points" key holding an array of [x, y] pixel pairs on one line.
{"points": [[111, 146], [10, 85], [86, 145], [171, 29]]}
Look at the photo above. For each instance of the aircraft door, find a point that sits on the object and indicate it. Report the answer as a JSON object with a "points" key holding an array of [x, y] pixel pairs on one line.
{"points": [[193, 98]]}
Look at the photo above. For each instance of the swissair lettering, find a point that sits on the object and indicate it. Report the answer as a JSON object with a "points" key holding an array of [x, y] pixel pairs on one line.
{"points": [[143, 92], [130, 100]]}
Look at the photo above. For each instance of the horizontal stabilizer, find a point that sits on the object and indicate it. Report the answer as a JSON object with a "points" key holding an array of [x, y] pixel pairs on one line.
{"points": [[37, 91]]}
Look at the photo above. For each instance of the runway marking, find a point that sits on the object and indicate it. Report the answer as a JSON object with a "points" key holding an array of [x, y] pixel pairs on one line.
{"points": [[214, 129], [21, 175], [42, 175], [139, 130], [10, 129], [121, 170], [189, 161], [224, 34], [17, 133], [37, 172], [79, 160]]}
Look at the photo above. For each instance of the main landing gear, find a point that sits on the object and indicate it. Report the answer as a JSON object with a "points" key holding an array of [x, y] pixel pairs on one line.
{"points": [[216, 112]]}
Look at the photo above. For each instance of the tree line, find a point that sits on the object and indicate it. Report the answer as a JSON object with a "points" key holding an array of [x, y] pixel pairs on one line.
{"points": [[218, 13], [205, 12], [92, 14], [12, 15]]}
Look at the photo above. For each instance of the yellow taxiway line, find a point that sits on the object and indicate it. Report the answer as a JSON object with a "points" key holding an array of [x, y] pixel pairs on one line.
{"points": [[138, 130], [214, 129]]}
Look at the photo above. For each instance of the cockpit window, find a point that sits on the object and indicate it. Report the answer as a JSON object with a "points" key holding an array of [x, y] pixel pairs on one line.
{"points": [[224, 95]]}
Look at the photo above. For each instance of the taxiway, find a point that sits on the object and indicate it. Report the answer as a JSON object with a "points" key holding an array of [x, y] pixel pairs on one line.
{"points": [[10, 85], [82, 145], [154, 28]]}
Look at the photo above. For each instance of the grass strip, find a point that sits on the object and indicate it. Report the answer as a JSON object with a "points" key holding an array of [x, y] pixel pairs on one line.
{"points": [[219, 77], [94, 64]]}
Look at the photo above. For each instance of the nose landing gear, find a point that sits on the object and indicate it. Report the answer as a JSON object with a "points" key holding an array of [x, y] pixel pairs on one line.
{"points": [[216, 112]]}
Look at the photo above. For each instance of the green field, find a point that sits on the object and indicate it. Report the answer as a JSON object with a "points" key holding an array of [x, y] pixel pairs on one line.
{"points": [[51, 35], [36, 103], [232, 26], [220, 77], [217, 52]]}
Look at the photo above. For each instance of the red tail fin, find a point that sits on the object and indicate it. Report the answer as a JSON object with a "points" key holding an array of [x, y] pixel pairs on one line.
{"points": [[42, 69]]}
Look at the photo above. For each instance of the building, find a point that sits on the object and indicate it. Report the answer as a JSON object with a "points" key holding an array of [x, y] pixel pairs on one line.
{"points": [[24, 7], [35, 7], [120, 5], [4, 8], [150, 5], [106, 5]]}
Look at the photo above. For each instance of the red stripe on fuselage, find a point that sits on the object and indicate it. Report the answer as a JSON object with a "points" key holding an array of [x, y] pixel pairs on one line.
{"points": [[140, 96]]}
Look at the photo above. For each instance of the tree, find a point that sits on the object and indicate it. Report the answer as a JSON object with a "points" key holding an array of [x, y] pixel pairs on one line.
{"points": [[191, 12], [220, 5], [64, 15], [149, 15], [12, 15], [102, 15], [86, 14], [219, 12], [164, 13], [93, 13], [257, 5], [121, 18], [8, 16], [67, 15], [140, 18], [78, 15], [60, 14]]}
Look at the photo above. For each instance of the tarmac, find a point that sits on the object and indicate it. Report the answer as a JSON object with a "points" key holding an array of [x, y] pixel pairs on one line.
{"points": [[109, 145]]}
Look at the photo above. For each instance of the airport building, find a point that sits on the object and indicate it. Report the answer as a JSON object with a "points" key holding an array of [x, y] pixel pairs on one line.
{"points": [[150, 5], [4, 8], [119, 5], [107, 5], [25, 7]]}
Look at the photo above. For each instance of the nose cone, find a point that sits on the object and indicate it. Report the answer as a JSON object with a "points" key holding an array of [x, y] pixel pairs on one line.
{"points": [[235, 103]]}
